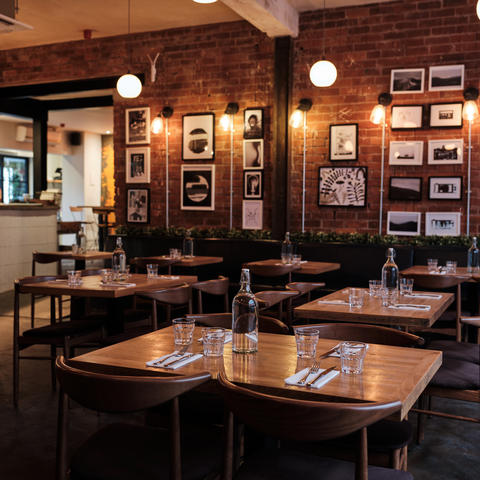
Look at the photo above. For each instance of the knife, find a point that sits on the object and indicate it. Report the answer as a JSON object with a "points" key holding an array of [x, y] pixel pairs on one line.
{"points": [[312, 383], [323, 355], [173, 362]]}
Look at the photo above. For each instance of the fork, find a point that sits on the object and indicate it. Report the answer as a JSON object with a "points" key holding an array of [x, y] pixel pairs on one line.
{"points": [[174, 354], [313, 369]]}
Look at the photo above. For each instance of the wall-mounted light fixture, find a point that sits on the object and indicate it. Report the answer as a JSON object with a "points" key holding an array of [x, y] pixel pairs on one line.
{"points": [[377, 117], [299, 114]]}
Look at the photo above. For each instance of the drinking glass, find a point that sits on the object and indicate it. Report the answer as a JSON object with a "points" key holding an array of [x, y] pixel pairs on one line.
{"points": [[286, 258], [152, 270], [406, 286], [106, 275], [173, 253], [451, 266], [74, 249], [432, 264], [307, 339], [355, 297], [297, 259], [74, 278], [389, 296], [351, 357], [213, 341], [183, 331], [375, 287]]}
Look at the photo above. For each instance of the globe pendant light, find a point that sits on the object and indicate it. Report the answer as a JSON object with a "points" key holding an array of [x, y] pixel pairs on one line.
{"points": [[478, 9]]}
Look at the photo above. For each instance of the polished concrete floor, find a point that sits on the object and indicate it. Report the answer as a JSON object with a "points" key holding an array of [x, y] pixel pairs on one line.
{"points": [[451, 449]]}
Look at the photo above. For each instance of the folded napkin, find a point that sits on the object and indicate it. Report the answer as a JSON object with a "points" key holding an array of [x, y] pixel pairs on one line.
{"points": [[170, 277], [187, 358], [409, 306], [117, 284], [293, 380], [422, 295], [228, 338], [442, 272], [334, 302], [303, 261]]}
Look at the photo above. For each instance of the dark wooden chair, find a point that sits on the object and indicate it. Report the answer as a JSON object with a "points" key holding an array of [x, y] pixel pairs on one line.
{"points": [[305, 288], [268, 299], [270, 272], [289, 419], [139, 264], [218, 286], [121, 451]]}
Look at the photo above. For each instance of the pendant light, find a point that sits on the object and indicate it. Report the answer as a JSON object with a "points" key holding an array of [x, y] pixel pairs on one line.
{"points": [[129, 85], [323, 73], [478, 9]]}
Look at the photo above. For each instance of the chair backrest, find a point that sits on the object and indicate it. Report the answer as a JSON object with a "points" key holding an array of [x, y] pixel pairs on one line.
{"points": [[269, 298], [42, 258], [171, 296], [36, 279], [216, 286], [270, 270], [437, 282], [367, 333], [90, 272], [140, 263], [304, 287]]}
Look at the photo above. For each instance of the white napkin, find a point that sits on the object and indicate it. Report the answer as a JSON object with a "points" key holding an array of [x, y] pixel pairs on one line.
{"points": [[408, 306], [158, 362], [293, 380], [117, 284], [228, 338], [170, 277], [443, 272], [334, 302], [422, 295], [303, 261]]}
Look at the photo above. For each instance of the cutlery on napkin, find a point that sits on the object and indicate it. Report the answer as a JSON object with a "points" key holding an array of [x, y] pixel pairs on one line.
{"points": [[117, 284], [318, 379], [170, 277], [173, 362], [409, 306], [422, 295], [334, 302]]}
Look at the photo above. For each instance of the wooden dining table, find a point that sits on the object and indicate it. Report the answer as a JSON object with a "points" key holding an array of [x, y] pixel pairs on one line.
{"points": [[306, 267], [196, 261], [423, 270], [389, 373]]}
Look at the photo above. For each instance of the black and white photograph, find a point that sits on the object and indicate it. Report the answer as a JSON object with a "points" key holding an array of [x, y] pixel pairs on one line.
{"points": [[410, 80], [405, 188], [137, 168], [447, 115], [444, 224], [252, 214], [342, 186], [253, 154], [446, 77], [403, 223], [344, 142], [198, 187], [252, 184], [406, 153], [445, 152], [138, 205], [137, 125], [445, 188], [407, 117], [198, 132], [253, 123]]}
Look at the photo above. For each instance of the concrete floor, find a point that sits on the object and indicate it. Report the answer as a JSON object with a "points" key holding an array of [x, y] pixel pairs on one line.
{"points": [[451, 449]]}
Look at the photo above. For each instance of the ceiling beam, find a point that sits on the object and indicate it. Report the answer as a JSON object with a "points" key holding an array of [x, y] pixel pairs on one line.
{"points": [[277, 18], [81, 102]]}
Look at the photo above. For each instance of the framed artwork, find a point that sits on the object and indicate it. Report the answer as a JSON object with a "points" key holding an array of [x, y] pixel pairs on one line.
{"points": [[443, 152], [198, 134], [445, 188], [137, 168], [252, 184], [342, 186], [407, 117], [446, 77], [137, 125], [406, 153], [252, 214], [403, 223], [405, 188], [138, 205], [446, 115], [444, 224], [409, 80], [197, 187], [344, 142], [253, 123], [253, 154]]}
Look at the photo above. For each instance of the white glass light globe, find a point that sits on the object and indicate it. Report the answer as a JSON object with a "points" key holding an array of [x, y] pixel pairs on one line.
{"points": [[129, 86], [478, 8], [323, 73], [204, 1]]}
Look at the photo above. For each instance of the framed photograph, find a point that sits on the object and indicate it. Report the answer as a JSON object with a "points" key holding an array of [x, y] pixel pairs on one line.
{"points": [[446, 115], [406, 153], [443, 152], [407, 117], [138, 205], [198, 132], [253, 123], [445, 188], [197, 187], [403, 223], [409, 80], [252, 214], [446, 77], [342, 186], [252, 184], [444, 224], [137, 125], [253, 154], [405, 188], [344, 142], [137, 166]]}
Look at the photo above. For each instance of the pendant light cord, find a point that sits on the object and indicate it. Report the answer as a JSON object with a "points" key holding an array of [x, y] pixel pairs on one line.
{"points": [[129, 46]]}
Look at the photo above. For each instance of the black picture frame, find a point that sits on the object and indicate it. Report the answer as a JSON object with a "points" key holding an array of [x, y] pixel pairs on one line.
{"points": [[446, 115], [407, 80], [198, 136], [253, 184], [405, 188], [342, 186], [407, 117], [445, 187], [137, 126], [197, 187], [138, 205], [253, 120], [343, 142]]}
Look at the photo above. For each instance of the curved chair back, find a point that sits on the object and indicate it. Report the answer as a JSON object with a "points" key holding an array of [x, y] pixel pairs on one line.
{"points": [[90, 272], [139, 264], [172, 296], [304, 287], [269, 298], [270, 270], [437, 282], [218, 286]]}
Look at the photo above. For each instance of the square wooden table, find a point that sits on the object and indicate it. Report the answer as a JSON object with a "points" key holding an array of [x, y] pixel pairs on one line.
{"points": [[306, 267], [389, 374], [196, 261], [373, 312]]}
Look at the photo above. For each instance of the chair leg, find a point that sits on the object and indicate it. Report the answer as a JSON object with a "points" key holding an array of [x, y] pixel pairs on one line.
{"points": [[16, 347], [32, 311], [53, 354], [61, 456], [176, 465], [395, 459], [361, 466], [228, 446], [422, 401], [404, 465]]}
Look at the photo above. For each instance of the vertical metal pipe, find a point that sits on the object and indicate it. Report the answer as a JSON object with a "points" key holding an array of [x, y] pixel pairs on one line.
{"points": [[380, 217], [231, 171], [166, 173], [469, 173], [303, 172]]}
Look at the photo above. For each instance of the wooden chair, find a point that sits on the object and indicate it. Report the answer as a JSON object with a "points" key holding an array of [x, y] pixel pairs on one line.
{"points": [[218, 286], [121, 451], [270, 298], [473, 321], [271, 272], [305, 288], [295, 420], [139, 264]]}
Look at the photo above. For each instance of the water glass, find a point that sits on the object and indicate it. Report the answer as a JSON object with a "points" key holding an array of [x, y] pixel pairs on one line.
{"points": [[107, 275], [355, 297], [451, 266], [352, 355], [183, 331], [389, 296], [213, 341], [286, 259], [74, 278], [432, 264], [307, 339], [74, 249], [374, 287], [406, 286], [152, 270], [297, 259]]}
